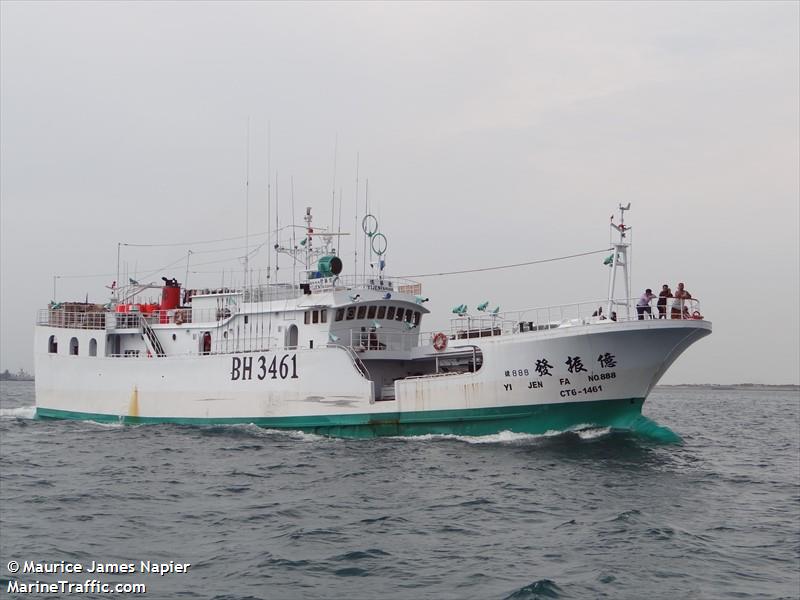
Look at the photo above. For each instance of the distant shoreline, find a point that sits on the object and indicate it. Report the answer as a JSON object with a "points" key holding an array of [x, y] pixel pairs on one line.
{"points": [[788, 387]]}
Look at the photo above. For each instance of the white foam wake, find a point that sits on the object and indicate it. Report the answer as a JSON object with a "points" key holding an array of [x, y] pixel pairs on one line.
{"points": [[495, 438], [593, 433], [20, 412], [584, 431], [295, 434]]}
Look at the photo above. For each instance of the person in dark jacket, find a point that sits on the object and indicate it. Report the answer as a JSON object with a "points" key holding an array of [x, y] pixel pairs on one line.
{"points": [[662, 301]]}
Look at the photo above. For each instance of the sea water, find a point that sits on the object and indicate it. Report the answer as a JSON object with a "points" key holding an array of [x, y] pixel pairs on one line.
{"points": [[702, 500]]}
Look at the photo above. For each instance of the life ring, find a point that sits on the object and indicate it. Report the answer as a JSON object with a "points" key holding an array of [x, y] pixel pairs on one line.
{"points": [[696, 315], [179, 317], [440, 341]]}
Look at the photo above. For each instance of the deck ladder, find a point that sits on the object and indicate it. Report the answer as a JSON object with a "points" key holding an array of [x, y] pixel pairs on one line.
{"points": [[151, 337]]}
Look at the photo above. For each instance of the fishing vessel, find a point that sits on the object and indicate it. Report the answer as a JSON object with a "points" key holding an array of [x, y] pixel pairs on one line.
{"points": [[347, 355]]}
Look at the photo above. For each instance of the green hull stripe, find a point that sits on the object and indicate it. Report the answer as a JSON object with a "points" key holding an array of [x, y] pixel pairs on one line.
{"points": [[474, 421]]}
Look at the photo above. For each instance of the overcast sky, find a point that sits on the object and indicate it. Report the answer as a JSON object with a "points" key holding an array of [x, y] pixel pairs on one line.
{"points": [[490, 133]]}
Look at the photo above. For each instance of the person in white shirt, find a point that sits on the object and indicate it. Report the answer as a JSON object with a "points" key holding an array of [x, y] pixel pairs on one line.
{"points": [[643, 306]]}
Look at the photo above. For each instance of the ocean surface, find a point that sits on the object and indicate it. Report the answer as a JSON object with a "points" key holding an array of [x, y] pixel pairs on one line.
{"points": [[702, 502]]}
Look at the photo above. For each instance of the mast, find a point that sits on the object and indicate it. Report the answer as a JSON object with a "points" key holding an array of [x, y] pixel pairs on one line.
{"points": [[113, 292], [277, 228], [355, 230], [269, 200], [247, 206], [294, 242], [309, 233], [364, 258], [333, 185], [619, 259]]}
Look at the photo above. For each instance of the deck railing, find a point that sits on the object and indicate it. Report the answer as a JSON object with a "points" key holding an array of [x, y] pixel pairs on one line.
{"points": [[594, 311], [377, 339], [54, 317], [271, 292], [370, 282], [469, 327], [71, 319]]}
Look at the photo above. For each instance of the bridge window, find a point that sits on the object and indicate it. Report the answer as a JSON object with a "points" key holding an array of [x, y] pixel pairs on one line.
{"points": [[409, 316], [73, 347], [371, 312], [307, 317], [92, 347], [417, 317], [351, 313], [315, 316], [399, 316], [390, 313], [323, 315], [381, 312], [52, 345], [339, 314], [362, 311]]}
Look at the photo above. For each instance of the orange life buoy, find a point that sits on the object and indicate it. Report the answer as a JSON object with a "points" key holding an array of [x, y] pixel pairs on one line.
{"points": [[440, 341], [696, 315], [178, 317]]}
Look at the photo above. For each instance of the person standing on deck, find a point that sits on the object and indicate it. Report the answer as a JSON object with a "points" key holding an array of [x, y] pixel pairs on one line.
{"points": [[679, 308], [662, 301], [643, 306]]}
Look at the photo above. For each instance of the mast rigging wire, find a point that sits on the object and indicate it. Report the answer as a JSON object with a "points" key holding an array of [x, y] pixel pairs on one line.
{"points": [[498, 267]]}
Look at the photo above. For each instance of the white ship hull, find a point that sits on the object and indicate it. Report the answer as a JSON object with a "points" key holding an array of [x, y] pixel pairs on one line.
{"points": [[323, 390]]}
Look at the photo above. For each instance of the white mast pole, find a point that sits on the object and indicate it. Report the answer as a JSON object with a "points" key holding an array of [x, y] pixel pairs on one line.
{"points": [[366, 212], [619, 258], [186, 279], [355, 231], [119, 283], [247, 206], [333, 186], [294, 242], [269, 198]]}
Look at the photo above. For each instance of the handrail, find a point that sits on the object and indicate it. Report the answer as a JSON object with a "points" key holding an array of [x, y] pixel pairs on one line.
{"points": [[151, 337], [548, 317], [54, 317], [371, 282], [359, 364], [71, 319], [377, 339], [286, 291]]}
